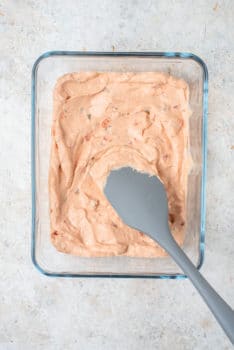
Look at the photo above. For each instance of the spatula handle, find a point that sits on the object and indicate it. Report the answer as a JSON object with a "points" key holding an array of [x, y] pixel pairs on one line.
{"points": [[221, 310]]}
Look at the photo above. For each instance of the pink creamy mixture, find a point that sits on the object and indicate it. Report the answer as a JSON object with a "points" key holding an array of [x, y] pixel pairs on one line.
{"points": [[104, 121]]}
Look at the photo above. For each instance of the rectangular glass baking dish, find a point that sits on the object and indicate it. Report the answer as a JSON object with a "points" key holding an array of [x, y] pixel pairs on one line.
{"points": [[46, 70]]}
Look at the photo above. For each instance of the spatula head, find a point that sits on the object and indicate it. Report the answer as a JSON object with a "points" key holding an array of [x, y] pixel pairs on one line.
{"points": [[139, 199]]}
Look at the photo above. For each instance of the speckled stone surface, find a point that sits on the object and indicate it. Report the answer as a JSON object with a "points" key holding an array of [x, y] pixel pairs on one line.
{"points": [[38, 312]]}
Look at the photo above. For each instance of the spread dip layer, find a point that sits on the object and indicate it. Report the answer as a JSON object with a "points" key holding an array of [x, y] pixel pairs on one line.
{"points": [[104, 121]]}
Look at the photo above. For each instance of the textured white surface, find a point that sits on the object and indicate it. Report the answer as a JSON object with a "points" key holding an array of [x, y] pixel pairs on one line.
{"points": [[37, 312]]}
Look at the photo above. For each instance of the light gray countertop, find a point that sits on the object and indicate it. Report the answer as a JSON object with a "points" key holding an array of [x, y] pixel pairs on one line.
{"points": [[37, 312]]}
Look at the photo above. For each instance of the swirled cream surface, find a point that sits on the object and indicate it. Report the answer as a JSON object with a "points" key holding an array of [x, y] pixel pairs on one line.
{"points": [[103, 121]]}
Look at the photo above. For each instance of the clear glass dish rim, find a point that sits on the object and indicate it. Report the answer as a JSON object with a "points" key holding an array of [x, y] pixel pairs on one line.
{"points": [[168, 55]]}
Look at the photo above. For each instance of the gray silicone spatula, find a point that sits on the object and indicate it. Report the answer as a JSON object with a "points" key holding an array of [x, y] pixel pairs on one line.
{"points": [[141, 202]]}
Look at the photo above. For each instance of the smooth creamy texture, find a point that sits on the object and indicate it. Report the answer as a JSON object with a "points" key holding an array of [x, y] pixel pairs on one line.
{"points": [[104, 121]]}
